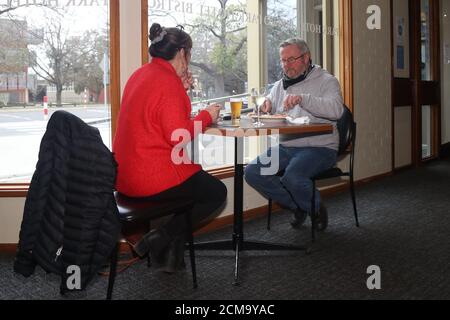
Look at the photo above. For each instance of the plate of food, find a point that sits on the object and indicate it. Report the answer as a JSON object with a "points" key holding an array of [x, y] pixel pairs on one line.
{"points": [[270, 118]]}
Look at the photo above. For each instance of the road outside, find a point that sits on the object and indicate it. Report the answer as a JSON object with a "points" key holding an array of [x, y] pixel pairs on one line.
{"points": [[21, 131]]}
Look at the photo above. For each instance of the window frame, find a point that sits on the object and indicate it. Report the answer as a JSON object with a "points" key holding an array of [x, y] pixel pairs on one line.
{"points": [[345, 73], [20, 190]]}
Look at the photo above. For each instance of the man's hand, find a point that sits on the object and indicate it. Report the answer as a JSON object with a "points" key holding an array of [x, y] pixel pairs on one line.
{"points": [[187, 80], [266, 107], [214, 111], [291, 101]]}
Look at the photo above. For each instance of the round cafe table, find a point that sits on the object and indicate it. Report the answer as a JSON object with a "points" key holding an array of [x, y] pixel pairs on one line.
{"points": [[239, 130]]}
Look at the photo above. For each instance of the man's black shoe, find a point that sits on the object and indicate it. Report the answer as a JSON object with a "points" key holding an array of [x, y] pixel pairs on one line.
{"points": [[299, 218]]}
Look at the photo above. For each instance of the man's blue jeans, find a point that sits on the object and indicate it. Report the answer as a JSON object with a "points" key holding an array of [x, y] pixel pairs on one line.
{"points": [[293, 189]]}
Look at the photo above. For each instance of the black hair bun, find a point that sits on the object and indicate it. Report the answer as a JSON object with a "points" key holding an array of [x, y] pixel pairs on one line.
{"points": [[155, 31]]}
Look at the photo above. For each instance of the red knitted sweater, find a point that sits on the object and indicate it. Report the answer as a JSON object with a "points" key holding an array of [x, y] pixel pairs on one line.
{"points": [[154, 106]]}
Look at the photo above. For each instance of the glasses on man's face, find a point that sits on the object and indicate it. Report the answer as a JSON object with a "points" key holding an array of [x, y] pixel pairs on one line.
{"points": [[291, 60]]}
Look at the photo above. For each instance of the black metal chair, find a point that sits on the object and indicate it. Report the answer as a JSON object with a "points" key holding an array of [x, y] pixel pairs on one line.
{"points": [[133, 210], [347, 142]]}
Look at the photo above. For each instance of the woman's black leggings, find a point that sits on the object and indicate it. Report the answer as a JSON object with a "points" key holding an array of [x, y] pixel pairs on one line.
{"points": [[209, 195]]}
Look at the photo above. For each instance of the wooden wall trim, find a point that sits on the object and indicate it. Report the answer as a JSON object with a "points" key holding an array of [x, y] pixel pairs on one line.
{"points": [[425, 92], [402, 94], [391, 8], [14, 190], [437, 76], [114, 48], [416, 127], [431, 93], [346, 50], [10, 248], [21, 190], [144, 31], [222, 173], [435, 40]]}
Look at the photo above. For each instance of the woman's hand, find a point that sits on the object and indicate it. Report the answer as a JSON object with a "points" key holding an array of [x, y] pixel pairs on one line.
{"points": [[187, 80], [214, 111]]}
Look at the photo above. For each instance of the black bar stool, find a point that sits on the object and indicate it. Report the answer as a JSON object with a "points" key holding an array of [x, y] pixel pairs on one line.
{"points": [[137, 210]]}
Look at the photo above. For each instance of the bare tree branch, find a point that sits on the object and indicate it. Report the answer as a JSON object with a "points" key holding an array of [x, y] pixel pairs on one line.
{"points": [[43, 71], [204, 67], [237, 30], [239, 46], [211, 29]]}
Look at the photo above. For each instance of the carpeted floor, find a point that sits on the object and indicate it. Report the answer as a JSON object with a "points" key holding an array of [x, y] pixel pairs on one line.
{"points": [[405, 230]]}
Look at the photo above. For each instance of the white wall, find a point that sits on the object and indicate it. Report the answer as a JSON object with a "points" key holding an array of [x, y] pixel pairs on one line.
{"points": [[130, 38], [402, 115], [372, 90], [401, 12], [11, 210], [403, 136]]}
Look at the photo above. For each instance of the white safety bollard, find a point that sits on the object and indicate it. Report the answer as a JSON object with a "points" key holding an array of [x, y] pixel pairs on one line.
{"points": [[45, 108]]}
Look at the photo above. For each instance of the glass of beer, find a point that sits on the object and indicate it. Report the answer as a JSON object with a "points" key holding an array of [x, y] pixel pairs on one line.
{"points": [[236, 108]]}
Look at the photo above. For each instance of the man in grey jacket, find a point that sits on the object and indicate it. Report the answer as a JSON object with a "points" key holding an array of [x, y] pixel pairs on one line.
{"points": [[306, 90]]}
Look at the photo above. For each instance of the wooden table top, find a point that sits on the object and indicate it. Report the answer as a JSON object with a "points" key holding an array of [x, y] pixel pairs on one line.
{"points": [[245, 128]]}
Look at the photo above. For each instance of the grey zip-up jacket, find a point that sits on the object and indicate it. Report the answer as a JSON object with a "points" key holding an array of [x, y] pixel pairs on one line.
{"points": [[322, 103]]}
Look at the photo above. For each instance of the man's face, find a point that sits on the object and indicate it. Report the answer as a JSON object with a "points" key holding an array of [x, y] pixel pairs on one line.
{"points": [[293, 61]]}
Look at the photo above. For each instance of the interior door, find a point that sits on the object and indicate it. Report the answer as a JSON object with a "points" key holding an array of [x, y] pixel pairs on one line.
{"points": [[424, 15], [416, 81]]}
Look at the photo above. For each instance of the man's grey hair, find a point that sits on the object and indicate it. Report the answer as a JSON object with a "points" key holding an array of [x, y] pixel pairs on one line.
{"points": [[301, 44]]}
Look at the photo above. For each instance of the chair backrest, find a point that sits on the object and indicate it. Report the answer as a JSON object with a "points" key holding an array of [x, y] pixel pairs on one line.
{"points": [[345, 126]]}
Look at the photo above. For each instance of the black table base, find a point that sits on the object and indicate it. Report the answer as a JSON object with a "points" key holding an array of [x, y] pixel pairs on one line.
{"points": [[237, 242], [248, 245]]}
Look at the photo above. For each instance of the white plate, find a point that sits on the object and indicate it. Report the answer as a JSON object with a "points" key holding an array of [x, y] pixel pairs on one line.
{"points": [[228, 124], [270, 118]]}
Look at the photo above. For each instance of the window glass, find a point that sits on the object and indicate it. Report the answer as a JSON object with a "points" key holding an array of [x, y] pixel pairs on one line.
{"points": [[219, 32], [311, 20], [425, 38], [53, 56], [219, 60], [426, 132], [281, 25], [222, 32]]}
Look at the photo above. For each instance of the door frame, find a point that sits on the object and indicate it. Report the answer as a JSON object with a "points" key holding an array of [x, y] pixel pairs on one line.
{"points": [[421, 93]]}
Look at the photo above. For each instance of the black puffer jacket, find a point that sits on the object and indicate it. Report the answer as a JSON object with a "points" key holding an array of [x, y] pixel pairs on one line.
{"points": [[70, 216]]}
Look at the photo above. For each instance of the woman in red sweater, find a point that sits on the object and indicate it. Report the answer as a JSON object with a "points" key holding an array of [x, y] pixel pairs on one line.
{"points": [[155, 109]]}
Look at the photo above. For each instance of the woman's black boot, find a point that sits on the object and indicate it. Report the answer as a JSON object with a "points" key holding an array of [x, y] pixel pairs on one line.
{"points": [[175, 256]]}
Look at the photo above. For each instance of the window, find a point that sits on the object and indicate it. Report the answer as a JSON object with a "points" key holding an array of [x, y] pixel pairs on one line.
{"points": [[242, 63], [282, 25], [427, 132], [48, 55], [236, 47], [219, 59], [425, 40], [314, 21]]}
